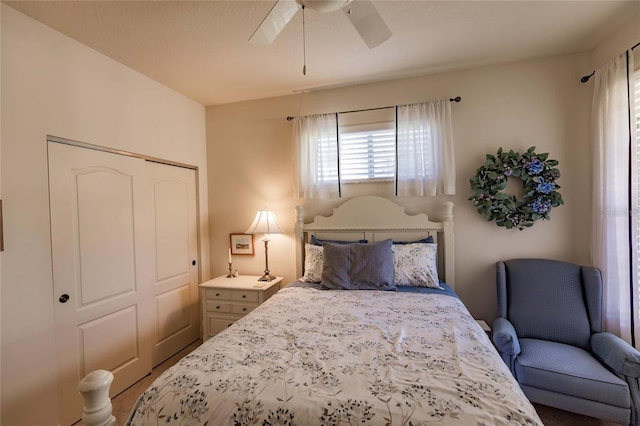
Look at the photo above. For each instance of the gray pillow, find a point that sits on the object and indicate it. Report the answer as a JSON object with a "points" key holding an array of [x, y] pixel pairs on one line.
{"points": [[358, 266]]}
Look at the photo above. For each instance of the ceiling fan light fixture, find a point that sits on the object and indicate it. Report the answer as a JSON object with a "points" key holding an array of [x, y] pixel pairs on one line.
{"points": [[324, 5], [362, 14]]}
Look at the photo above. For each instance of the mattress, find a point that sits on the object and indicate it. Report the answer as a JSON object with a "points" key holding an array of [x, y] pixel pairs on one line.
{"points": [[310, 356]]}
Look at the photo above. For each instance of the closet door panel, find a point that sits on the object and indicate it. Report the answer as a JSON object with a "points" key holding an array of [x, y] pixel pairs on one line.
{"points": [[105, 215], [174, 312], [176, 253], [110, 342], [101, 237], [171, 209]]}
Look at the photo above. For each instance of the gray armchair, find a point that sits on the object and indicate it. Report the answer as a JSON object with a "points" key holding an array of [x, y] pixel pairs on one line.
{"points": [[549, 333]]}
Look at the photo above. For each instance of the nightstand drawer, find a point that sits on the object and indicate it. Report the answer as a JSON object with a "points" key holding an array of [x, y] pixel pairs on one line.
{"points": [[242, 309], [218, 306], [244, 296], [218, 294], [216, 324]]}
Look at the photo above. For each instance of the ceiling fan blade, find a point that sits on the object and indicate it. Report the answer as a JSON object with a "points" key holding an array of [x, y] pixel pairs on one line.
{"points": [[277, 18], [367, 21]]}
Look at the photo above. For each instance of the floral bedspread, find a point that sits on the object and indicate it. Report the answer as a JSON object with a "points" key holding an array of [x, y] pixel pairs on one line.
{"points": [[330, 357]]}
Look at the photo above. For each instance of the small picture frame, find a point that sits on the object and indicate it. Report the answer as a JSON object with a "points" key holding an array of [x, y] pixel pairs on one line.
{"points": [[241, 243]]}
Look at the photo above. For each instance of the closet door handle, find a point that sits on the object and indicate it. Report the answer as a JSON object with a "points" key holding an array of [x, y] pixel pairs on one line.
{"points": [[64, 298]]}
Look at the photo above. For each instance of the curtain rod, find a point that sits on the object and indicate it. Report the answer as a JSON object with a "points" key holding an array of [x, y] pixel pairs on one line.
{"points": [[456, 99], [586, 78]]}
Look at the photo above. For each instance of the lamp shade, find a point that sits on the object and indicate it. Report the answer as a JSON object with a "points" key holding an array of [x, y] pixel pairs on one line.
{"points": [[264, 223]]}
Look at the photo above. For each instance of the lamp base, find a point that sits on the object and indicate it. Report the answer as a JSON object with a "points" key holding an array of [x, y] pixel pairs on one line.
{"points": [[267, 277]]}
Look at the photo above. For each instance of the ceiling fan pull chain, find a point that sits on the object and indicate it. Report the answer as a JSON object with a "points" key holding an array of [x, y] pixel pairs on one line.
{"points": [[304, 46]]}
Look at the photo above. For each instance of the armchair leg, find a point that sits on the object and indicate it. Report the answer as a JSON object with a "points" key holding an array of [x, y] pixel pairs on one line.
{"points": [[635, 400], [510, 361]]}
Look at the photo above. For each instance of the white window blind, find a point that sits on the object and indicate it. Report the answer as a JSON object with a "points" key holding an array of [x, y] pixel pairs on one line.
{"points": [[367, 152]]}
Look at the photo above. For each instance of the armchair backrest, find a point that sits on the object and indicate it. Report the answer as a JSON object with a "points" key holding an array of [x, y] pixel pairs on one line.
{"points": [[550, 300]]}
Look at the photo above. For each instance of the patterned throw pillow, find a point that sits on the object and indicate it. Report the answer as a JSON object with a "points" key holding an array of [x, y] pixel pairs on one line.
{"points": [[313, 259], [415, 265]]}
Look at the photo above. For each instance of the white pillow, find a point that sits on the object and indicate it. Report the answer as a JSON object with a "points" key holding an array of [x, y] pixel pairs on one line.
{"points": [[415, 265], [313, 260]]}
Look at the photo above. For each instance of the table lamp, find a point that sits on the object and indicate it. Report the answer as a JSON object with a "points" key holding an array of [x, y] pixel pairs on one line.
{"points": [[265, 223]]}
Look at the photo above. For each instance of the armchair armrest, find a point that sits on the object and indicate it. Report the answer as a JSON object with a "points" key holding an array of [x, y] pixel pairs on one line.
{"points": [[505, 337], [617, 354]]}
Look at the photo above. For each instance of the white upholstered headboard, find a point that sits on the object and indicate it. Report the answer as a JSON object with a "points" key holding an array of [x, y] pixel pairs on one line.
{"points": [[375, 219]]}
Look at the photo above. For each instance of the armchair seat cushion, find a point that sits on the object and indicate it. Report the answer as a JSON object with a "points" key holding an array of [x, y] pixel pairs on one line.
{"points": [[569, 370]]}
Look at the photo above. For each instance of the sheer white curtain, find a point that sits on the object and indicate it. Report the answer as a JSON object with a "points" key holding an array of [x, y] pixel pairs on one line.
{"points": [[426, 164], [610, 248], [315, 140]]}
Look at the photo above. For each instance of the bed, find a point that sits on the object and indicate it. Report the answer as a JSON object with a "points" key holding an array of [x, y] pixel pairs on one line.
{"points": [[395, 355]]}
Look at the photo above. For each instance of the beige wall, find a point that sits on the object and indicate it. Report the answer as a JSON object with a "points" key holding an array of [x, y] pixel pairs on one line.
{"points": [[538, 103], [52, 85]]}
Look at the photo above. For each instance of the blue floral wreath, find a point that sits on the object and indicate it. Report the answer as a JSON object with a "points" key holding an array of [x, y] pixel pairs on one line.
{"points": [[538, 175]]}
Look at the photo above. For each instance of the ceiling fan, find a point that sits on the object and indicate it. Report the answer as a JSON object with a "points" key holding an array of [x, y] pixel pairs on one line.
{"points": [[362, 14]]}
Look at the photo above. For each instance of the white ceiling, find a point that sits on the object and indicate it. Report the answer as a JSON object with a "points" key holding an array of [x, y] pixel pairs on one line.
{"points": [[201, 49]]}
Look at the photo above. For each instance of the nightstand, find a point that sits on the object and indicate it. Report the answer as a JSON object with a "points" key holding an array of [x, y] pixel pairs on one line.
{"points": [[226, 300]]}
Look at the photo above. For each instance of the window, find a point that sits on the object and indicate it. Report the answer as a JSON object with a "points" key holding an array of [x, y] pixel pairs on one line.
{"points": [[615, 193], [362, 146], [367, 152], [635, 187], [636, 123]]}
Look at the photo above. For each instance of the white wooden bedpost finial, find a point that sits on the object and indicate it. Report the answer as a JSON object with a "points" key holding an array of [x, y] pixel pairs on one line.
{"points": [[447, 211], [97, 404], [298, 239], [449, 264]]}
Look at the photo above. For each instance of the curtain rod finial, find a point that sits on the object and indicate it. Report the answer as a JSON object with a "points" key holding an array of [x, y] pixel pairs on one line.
{"points": [[586, 78]]}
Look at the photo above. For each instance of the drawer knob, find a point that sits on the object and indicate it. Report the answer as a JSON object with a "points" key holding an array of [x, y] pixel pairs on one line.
{"points": [[217, 307], [244, 295], [217, 294], [229, 325], [244, 309]]}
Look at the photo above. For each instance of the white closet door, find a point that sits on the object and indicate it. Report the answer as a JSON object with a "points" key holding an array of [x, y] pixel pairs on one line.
{"points": [[101, 216], [175, 284]]}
